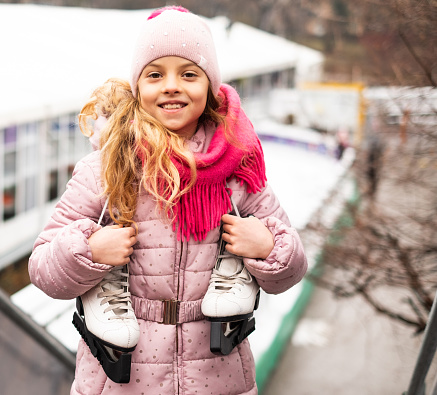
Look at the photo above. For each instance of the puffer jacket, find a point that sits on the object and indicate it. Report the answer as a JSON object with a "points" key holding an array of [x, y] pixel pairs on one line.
{"points": [[169, 359]]}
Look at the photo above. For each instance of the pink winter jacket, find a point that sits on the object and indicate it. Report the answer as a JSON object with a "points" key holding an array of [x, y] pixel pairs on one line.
{"points": [[169, 359]]}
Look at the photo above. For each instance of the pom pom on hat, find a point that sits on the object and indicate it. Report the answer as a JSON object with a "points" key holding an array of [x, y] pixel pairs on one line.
{"points": [[174, 31], [170, 7]]}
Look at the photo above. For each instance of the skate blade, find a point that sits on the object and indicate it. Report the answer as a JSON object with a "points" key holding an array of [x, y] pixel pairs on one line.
{"points": [[116, 370], [221, 344], [232, 318]]}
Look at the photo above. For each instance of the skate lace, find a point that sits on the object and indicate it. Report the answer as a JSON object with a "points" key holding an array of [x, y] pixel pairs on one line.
{"points": [[114, 292], [229, 283], [222, 283]]}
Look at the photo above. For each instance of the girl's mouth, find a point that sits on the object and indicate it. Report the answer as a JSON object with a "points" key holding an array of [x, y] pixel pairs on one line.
{"points": [[172, 106]]}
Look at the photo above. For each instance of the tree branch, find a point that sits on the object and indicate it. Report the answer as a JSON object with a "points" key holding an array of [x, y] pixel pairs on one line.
{"points": [[417, 58]]}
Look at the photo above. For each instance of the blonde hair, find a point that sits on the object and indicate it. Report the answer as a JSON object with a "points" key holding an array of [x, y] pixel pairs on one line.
{"points": [[136, 150]]}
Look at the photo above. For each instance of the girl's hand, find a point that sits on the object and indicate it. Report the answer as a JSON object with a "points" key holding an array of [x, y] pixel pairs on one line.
{"points": [[112, 245], [247, 237]]}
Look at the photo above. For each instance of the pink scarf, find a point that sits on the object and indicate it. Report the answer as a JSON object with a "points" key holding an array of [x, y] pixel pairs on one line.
{"points": [[200, 209]]}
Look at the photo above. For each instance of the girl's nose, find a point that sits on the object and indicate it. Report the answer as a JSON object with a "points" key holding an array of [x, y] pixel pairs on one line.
{"points": [[171, 84]]}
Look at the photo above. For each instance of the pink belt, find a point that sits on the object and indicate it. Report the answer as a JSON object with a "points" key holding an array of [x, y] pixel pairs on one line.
{"points": [[168, 312]]}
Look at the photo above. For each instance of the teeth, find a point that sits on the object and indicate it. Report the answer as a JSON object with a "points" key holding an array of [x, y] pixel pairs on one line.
{"points": [[172, 106]]}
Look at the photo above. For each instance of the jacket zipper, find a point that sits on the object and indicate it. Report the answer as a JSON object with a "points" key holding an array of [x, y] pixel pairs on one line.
{"points": [[176, 326]]}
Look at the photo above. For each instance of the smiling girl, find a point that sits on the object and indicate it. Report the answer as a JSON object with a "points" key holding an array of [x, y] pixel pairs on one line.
{"points": [[174, 147], [174, 92]]}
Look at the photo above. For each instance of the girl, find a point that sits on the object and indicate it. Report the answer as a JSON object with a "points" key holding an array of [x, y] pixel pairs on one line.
{"points": [[174, 145]]}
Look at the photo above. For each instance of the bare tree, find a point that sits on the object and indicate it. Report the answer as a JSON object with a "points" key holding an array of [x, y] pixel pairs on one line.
{"points": [[387, 254]]}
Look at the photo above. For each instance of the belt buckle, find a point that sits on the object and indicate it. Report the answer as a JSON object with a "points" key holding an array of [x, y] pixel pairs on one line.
{"points": [[171, 309]]}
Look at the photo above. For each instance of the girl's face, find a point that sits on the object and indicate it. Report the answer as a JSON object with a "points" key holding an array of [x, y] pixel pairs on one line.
{"points": [[174, 91]]}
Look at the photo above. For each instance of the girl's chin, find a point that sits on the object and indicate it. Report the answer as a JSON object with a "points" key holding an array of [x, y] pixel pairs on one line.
{"points": [[183, 131]]}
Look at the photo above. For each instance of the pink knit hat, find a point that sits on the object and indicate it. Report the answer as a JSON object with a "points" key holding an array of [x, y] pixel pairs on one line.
{"points": [[174, 31]]}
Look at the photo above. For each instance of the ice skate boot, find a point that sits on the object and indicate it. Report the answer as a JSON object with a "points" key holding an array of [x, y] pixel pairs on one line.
{"points": [[106, 321], [231, 298]]}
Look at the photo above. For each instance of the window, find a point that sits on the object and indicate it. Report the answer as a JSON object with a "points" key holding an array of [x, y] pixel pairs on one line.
{"points": [[31, 158], [258, 84], [31, 193], [53, 185], [10, 136], [291, 75], [72, 136], [276, 79], [22, 165], [10, 164], [8, 203], [70, 171]]}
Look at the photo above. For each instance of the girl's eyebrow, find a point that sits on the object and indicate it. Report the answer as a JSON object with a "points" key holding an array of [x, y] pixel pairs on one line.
{"points": [[182, 66], [188, 64], [152, 65]]}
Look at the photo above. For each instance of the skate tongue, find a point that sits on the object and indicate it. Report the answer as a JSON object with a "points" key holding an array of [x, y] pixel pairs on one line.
{"points": [[230, 266]]}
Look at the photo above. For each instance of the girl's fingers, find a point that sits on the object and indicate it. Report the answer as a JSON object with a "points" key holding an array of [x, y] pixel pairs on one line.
{"points": [[226, 237], [227, 228], [131, 231], [116, 226], [229, 219], [129, 252], [112, 245], [230, 248], [230, 223], [247, 237]]}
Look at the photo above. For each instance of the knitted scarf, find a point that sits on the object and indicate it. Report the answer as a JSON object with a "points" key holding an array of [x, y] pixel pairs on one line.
{"points": [[200, 209]]}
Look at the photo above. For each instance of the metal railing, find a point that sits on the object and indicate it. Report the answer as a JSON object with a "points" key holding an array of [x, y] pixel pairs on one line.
{"points": [[426, 356], [38, 333]]}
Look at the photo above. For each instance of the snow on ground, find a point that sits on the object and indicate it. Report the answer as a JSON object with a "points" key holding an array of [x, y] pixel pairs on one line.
{"points": [[302, 180]]}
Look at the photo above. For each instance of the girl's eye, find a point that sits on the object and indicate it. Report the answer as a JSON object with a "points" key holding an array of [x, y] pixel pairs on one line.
{"points": [[154, 75], [189, 74]]}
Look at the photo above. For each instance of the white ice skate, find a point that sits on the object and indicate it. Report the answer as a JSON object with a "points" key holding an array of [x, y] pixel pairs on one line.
{"points": [[106, 321], [231, 298], [232, 291]]}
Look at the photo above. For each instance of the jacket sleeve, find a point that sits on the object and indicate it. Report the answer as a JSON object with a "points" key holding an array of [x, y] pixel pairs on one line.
{"points": [[287, 264], [61, 262]]}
